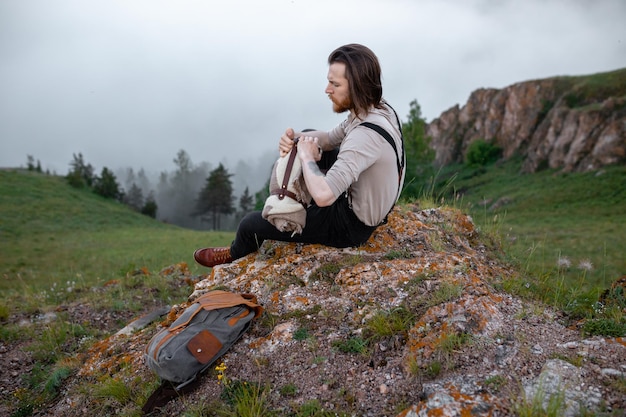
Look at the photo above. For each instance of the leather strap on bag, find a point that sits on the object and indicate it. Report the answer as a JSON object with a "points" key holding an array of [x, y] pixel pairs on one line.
{"points": [[283, 191], [164, 394]]}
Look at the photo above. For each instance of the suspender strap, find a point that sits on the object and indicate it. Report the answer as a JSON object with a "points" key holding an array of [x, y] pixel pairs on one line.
{"points": [[399, 161], [382, 132]]}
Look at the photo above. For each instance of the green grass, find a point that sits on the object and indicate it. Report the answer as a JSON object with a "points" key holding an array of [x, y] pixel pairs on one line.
{"points": [[579, 218], [54, 238], [51, 233]]}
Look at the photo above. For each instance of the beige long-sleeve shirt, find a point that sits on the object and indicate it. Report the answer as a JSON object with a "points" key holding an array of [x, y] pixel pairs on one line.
{"points": [[367, 164]]}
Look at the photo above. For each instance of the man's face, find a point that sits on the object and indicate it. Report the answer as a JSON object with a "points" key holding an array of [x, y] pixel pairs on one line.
{"points": [[337, 89]]}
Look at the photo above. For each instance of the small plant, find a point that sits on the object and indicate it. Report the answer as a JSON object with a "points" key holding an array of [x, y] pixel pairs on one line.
{"points": [[4, 312], [576, 360], [352, 345], [294, 280], [319, 359], [389, 323], [453, 341], [604, 327], [23, 410], [55, 380], [539, 405], [619, 384], [433, 369], [301, 314], [301, 334], [446, 292], [12, 332], [113, 388], [267, 322], [412, 285], [326, 272], [398, 254], [413, 366], [56, 338], [309, 409], [495, 382], [430, 369], [436, 241], [288, 390], [247, 399]]}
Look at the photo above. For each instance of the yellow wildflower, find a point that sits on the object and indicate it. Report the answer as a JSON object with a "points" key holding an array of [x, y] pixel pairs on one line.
{"points": [[220, 371]]}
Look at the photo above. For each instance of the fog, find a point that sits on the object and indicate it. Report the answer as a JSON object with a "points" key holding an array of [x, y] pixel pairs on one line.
{"points": [[129, 83]]}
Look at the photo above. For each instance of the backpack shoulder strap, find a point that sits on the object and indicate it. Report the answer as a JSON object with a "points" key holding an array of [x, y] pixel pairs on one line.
{"points": [[165, 393]]}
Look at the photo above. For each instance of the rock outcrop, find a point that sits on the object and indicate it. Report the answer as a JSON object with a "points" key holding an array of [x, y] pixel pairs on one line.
{"points": [[409, 324], [569, 123]]}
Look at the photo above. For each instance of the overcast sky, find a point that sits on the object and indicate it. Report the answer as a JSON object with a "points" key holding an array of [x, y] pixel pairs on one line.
{"points": [[128, 83]]}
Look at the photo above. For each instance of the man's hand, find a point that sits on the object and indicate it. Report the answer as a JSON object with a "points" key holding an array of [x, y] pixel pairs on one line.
{"points": [[286, 142], [309, 149]]}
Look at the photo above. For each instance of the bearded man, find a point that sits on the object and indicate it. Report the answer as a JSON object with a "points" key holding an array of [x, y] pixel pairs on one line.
{"points": [[354, 173]]}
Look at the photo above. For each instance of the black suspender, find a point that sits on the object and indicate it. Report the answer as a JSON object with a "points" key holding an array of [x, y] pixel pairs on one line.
{"points": [[399, 161], [382, 132]]}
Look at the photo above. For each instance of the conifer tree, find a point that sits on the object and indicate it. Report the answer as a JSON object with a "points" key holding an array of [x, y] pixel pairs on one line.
{"points": [[419, 154], [150, 208], [134, 197], [82, 174], [216, 198], [106, 185], [246, 203]]}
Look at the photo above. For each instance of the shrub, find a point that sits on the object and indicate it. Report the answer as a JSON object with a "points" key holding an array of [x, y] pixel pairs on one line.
{"points": [[480, 153]]}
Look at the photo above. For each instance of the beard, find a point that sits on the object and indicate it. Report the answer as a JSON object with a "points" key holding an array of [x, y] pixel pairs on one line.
{"points": [[342, 106]]}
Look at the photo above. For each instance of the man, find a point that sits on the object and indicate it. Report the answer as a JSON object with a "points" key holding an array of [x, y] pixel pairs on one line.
{"points": [[353, 173]]}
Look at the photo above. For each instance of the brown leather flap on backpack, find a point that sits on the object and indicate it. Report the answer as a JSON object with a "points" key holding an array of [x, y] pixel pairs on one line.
{"points": [[216, 299], [204, 346]]}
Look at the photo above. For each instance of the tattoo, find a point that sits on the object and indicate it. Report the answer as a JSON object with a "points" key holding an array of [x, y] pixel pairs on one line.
{"points": [[315, 169]]}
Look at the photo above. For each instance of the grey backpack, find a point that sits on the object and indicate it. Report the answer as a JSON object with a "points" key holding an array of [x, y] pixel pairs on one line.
{"points": [[200, 335]]}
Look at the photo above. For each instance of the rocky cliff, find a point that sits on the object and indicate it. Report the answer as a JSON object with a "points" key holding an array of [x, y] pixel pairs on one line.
{"points": [[570, 123], [410, 324]]}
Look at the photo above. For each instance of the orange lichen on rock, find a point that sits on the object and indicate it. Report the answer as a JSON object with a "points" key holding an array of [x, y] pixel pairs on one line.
{"points": [[178, 269], [471, 315], [449, 401], [302, 300]]}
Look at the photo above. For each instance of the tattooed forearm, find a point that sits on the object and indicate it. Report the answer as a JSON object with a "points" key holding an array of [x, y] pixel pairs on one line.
{"points": [[315, 170]]}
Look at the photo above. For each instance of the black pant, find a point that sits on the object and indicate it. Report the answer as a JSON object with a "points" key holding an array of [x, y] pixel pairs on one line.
{"points": [[335, 225]]}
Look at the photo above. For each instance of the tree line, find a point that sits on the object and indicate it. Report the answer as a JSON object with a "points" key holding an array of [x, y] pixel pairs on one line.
{"points": [[201, 197]]}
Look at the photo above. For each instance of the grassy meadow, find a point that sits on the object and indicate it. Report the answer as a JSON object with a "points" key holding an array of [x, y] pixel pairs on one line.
{"points": [[54, 235], [566, 232], [560, 229]]}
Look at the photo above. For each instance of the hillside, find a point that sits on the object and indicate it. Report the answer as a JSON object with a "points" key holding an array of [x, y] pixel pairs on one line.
{"points": [[418, 321], [412, 323], [51, 233], [548, 216]]}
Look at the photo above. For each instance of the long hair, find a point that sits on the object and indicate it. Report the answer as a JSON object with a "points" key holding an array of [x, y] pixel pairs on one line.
{"points": [[363, 74]]}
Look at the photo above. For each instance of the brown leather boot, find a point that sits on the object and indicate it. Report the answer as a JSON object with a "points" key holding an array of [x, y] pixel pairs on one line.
{"points": [[210, 257]]}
